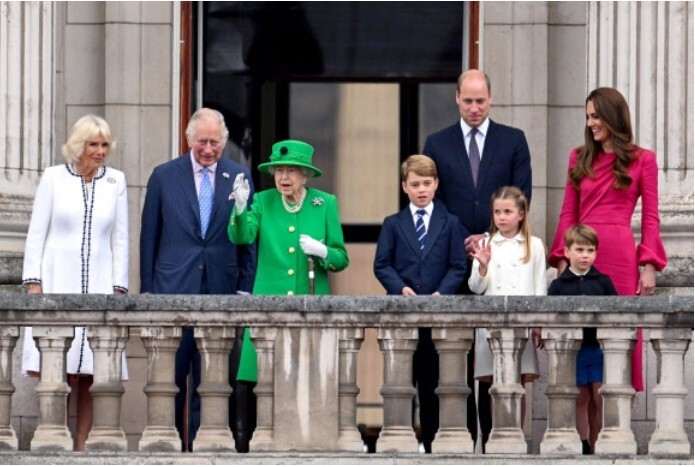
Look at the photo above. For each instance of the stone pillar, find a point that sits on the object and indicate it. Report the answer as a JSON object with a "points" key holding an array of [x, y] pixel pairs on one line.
{"points": [[616, 437], [214, 345], [264, 436], [398, 347], [670, 346], [8, 339], [561, 345], [349, 343], [107, 344], [506, 391], [453, 346], [52, 433], [161, 344]]}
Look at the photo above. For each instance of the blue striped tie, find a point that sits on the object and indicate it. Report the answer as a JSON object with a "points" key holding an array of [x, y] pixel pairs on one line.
{"points": [[205, 202], [420, 228]]}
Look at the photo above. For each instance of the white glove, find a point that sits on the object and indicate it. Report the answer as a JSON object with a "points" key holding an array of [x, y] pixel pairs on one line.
{"points": [[312, 247], [241, 193]]}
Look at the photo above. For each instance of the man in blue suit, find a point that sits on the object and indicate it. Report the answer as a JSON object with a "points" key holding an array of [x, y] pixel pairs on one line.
{"points": [[420, 252], [184, 247], [474, 158]]}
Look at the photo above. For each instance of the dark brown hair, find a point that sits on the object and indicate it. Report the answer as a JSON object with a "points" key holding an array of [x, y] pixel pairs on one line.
{"points": [[612, 110]]}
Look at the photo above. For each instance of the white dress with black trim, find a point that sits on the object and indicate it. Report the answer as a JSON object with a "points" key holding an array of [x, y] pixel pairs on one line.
{"points": [[77, 243]]}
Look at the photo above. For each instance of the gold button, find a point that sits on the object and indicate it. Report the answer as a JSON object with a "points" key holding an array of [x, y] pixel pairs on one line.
{"points": [[291, 249], [291, 272], [290, 293], [291, 229]]}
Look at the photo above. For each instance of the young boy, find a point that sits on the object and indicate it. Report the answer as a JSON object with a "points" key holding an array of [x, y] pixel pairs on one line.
{"points": [[421, 252], [581, 278]]}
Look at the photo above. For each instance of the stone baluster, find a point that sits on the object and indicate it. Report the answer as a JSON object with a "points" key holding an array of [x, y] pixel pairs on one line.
{"points": [[669, 436], [398, 347], [8, 339], [506, 436], [453, 346], [160, 433], [264, 435], [107, 344], [561, 345], [349, 342], [616, 437], [214, 345], [52, 433]]}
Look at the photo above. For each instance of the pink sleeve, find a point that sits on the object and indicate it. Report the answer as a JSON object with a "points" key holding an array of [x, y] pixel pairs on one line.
{"points": [[568, 217], [650, 249]]}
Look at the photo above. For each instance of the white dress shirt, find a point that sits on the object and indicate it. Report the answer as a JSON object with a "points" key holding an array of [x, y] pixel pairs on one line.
{"points": [[426, 218], [198, 174], [479, 137]]}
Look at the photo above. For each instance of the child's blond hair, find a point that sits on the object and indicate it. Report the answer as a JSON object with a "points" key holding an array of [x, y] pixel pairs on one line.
{"points": [[581, 234], [419, 165], [521, 203]]}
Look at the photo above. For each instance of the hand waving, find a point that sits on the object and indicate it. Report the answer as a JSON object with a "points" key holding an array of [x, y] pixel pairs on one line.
{"points": [[240, 193]]}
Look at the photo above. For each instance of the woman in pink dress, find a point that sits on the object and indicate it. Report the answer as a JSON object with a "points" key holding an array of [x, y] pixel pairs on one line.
{"points": [[606, 177]]}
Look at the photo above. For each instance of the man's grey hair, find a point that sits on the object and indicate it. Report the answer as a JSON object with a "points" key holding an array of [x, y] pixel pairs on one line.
{"points": [[209, 115]]}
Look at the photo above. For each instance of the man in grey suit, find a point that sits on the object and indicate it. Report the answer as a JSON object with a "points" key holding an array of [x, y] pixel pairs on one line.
{"points": [[184, 248]]}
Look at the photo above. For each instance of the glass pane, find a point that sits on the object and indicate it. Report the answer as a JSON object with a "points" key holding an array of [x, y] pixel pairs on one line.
{"points": [[354, 129], [438, 108]]}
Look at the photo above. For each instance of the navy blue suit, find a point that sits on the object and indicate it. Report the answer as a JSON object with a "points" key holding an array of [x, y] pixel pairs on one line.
{"points": [[439, 267], [399, 262], [505, 161], [175, 259]]}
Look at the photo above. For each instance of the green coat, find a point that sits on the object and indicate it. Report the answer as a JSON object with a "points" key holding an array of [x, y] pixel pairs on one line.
{"points": [[282, 265]]}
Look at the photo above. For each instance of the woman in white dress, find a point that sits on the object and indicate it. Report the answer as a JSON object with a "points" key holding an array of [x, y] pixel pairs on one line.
{"points": [[78, 243]]}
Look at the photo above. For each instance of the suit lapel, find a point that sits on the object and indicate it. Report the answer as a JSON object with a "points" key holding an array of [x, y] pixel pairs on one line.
{"points": [[491, 141], [223, 187], [434, 229], [459, 146], [405, 220], [186, 183]]}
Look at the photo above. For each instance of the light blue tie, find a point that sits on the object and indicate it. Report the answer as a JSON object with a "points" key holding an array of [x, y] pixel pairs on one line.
{"points": [[205, 202], [420, 228]]}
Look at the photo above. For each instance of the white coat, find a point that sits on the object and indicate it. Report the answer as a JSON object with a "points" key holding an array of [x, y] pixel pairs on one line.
{"points": [[77, 243], [507, 274]]}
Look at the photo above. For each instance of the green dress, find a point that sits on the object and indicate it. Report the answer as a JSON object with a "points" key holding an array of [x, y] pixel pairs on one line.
{"points": [[283, 268]]}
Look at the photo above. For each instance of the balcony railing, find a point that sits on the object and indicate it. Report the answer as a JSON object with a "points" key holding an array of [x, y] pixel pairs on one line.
{"points": [[332, 328]]}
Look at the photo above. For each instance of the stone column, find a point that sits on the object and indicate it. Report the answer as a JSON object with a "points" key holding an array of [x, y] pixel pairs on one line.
{"points": [[161, 344], [670, 346], [52, 433], [264, 436], [506, 391], [107, 344], [398, 347], [453, 346], [616, 437], [214, 345], [349, 343], [8, 339], [561, 345]]}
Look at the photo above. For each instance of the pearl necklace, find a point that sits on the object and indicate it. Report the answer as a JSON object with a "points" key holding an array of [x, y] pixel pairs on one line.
{"points": [[297, 206]]}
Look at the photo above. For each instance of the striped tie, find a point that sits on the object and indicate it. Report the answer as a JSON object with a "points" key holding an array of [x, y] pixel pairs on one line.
{"points": [[420, 228], [205, 202]]}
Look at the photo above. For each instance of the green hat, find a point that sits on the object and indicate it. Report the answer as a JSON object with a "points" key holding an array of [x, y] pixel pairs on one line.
{"points": [[291, 152]]}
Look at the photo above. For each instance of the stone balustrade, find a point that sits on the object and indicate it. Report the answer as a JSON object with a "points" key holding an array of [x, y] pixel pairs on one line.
{"points": [[333, 329]]}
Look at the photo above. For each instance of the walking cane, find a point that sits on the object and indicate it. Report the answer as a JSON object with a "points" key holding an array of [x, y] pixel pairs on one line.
{"points": [[311, 275]]}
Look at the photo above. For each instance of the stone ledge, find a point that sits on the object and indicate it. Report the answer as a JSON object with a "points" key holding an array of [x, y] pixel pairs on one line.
{"points": [[293, 458]]}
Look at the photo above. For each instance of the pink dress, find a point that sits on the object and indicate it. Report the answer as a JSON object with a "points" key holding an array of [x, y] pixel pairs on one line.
{"points": [[609, 211]]}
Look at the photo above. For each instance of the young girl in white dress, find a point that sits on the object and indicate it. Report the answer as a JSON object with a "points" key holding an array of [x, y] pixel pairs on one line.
{"points": [[509, 261]]}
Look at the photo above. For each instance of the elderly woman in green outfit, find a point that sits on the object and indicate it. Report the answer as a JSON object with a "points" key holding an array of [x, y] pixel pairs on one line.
{"points": [[292, 223]]}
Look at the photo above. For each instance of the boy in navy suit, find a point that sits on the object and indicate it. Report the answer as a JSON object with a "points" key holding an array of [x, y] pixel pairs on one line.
{"points": [[582, 278], [421, 252]]}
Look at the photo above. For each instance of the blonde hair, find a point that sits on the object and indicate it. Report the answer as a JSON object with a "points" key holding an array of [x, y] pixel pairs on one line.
{"points": [[581, 234], [88, 127], [419, 165], [521, 203]]}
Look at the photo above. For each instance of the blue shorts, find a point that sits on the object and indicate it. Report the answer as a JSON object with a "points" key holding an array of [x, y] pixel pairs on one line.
{"points": [[589, 366]]}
